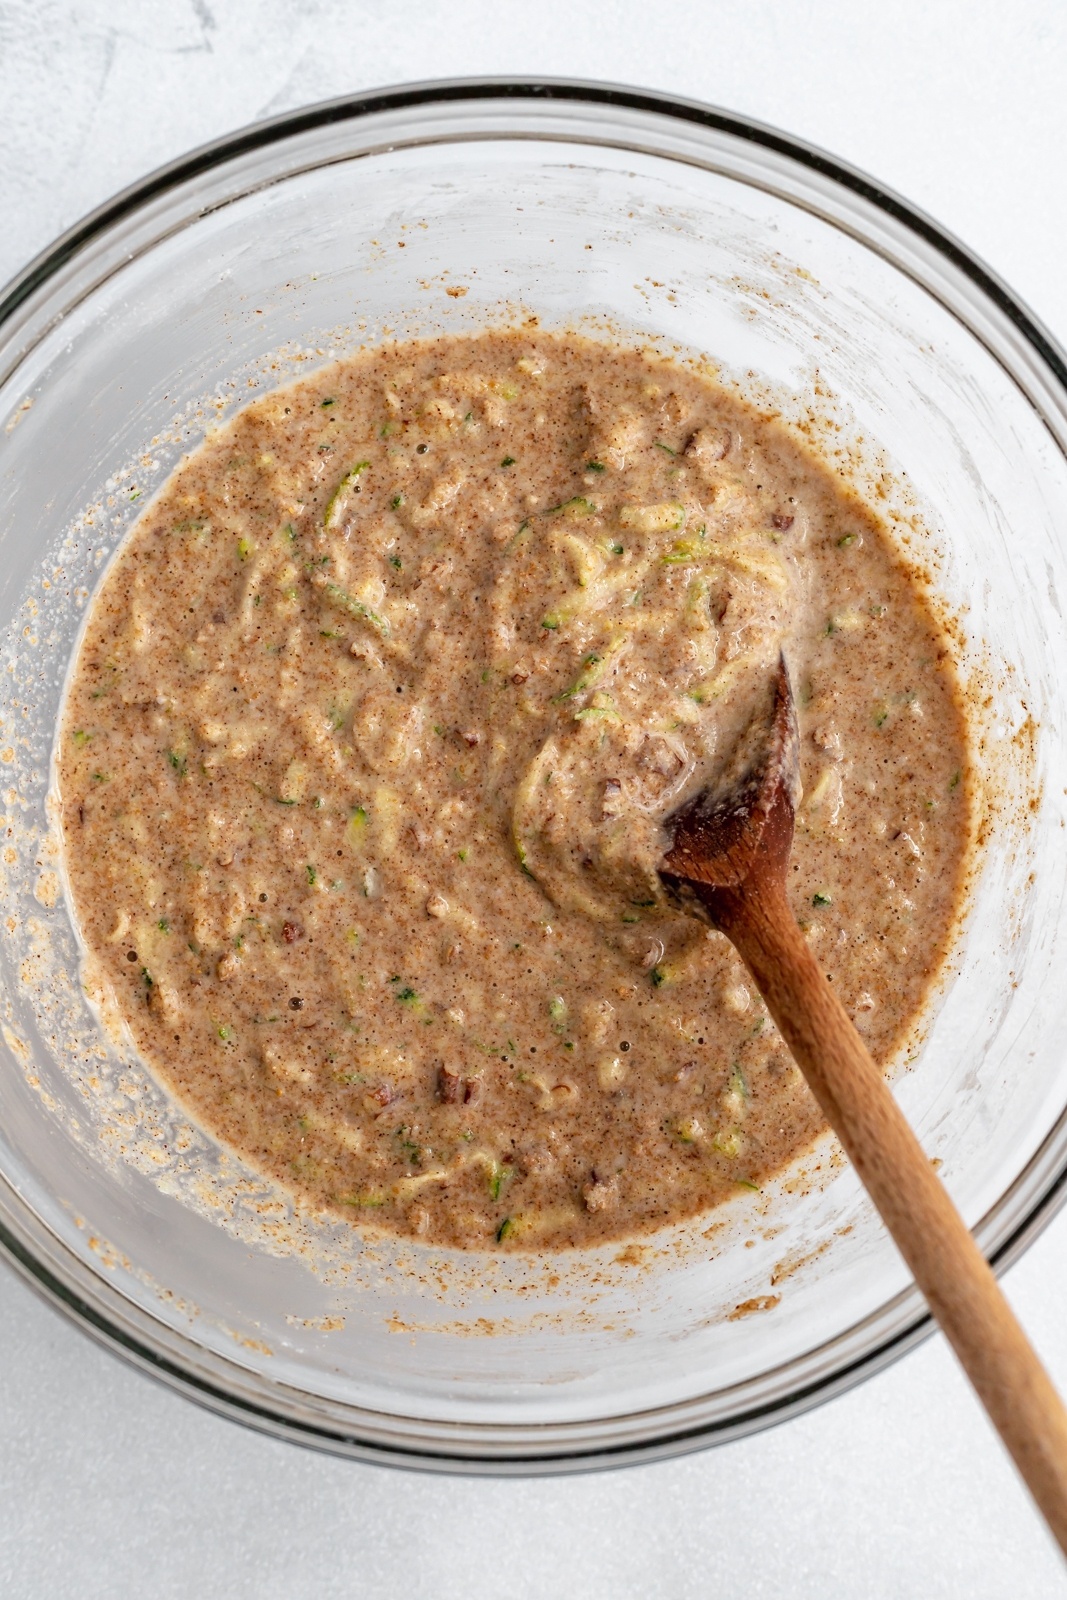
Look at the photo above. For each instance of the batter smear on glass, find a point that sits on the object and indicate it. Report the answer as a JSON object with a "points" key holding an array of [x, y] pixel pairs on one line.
{"points": [[367, 752]]}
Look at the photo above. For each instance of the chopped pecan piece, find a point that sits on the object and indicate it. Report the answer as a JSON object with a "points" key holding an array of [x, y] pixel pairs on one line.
{"points": [[449, 1085]]}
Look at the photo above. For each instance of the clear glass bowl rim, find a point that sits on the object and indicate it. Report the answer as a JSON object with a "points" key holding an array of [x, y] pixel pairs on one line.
{"points": [[222, 1387]]}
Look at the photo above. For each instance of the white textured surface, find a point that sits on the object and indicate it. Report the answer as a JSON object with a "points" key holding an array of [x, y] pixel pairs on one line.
{"points": [[111, 1487]]}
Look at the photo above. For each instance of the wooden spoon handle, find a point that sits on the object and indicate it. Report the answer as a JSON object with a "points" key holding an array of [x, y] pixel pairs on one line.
{"points": [[931, 1235]]}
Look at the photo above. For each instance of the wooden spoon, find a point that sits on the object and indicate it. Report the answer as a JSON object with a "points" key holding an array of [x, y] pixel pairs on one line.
{"points": [[727, 861]]}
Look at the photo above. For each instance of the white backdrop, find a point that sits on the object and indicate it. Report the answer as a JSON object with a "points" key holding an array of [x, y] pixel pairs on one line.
{"points": [[111, 1487]]}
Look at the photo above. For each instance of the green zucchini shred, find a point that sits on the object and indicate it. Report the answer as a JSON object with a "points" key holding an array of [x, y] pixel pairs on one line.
{"points": [[356, 608], [346, 483]]}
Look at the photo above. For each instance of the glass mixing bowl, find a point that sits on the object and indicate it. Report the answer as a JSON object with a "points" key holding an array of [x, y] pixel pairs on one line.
{"points": [[449, 207]]}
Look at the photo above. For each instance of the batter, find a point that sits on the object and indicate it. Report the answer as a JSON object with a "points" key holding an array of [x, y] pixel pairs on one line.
{"points": [[366, 755]]}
